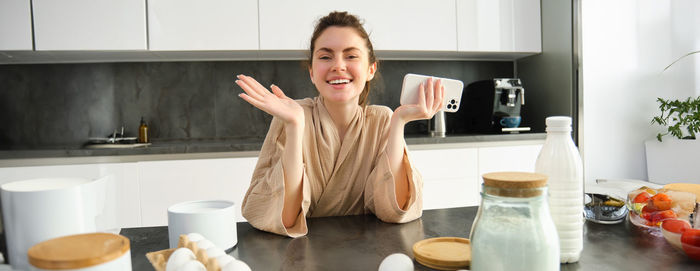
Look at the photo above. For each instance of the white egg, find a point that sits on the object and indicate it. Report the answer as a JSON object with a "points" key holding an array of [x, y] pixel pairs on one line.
{"points": [[204, 244], [193, 265], [195, 237], [236, 265], [178, 258], [224, 259], [396, 262], [214, 252]]}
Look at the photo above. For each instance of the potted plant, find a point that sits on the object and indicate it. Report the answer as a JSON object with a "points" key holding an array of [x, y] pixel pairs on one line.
{"points": [[676, 159]]}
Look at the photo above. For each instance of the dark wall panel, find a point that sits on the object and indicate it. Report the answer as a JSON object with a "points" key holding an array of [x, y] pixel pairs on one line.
{"points": [[62, 105]]}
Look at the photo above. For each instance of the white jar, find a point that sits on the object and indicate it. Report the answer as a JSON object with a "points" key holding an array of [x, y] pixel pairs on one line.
{"points": [[560, 160], [82, 252], [513, 229]]}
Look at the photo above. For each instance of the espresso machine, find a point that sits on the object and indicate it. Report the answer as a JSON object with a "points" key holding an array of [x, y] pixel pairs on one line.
{"points": [[486, 102]]}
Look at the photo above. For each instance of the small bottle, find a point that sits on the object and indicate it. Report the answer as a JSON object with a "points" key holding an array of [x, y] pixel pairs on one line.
{"points": [[560, 160], [143, 132]]}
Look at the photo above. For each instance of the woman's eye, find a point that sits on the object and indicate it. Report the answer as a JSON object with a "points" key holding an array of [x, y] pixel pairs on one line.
{"points": [[352, 56], [324, 57]]}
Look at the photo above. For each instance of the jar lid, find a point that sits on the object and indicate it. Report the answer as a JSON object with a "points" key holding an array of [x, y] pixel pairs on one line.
{"points": [[78, 251], [443, 253], [512, 184]]}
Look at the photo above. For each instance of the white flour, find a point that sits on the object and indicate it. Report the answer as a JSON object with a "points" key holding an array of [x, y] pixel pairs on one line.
{"points": [[514, 238]]}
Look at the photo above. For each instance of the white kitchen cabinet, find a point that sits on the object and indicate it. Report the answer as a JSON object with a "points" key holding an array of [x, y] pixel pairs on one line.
{"points": [[449, 177], [499, 26], [187, 25], [508, 158], [411, 25], [164, 183], [15, 25], [452, 177], [89, 25], [122, 200]]}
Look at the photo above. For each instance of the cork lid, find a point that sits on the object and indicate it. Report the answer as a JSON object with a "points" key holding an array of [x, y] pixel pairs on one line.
{"points": [[443, 253], [78, 251], [514, 184]]}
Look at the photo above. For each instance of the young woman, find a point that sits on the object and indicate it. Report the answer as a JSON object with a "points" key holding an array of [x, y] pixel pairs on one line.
{"points": [[334, 155]]}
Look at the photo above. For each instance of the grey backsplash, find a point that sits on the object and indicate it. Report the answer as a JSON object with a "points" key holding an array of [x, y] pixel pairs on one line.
{"points": [[49, 106]]}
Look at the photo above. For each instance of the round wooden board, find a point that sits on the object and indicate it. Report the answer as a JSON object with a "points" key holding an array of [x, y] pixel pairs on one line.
{"points": [[443, 253]]}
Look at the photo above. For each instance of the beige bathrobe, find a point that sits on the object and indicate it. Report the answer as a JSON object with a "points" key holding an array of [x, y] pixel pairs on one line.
{"points": [[340, 178]]}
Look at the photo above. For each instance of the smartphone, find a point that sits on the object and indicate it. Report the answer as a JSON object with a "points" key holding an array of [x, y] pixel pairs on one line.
{"points": [[453, 90]]}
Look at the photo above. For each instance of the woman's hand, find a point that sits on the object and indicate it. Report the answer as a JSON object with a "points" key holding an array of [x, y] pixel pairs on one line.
{"points": [[274, 103], [430, 101]]}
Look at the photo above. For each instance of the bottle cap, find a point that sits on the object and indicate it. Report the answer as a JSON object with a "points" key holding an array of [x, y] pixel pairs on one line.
{"points": [[558, 124]]}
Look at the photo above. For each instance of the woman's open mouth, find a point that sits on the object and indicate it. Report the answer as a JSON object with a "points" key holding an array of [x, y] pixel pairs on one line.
{"points": [[339, 81]]}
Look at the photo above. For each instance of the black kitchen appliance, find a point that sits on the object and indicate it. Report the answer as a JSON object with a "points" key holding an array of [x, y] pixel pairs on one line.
{"points": [[485, 102]]}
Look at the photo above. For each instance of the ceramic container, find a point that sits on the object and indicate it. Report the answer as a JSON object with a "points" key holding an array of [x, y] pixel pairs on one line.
{"points": [[36, 210], [213, 219]]}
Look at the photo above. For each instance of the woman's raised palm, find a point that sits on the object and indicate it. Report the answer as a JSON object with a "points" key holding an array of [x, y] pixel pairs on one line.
{"points": [[274, 103]]}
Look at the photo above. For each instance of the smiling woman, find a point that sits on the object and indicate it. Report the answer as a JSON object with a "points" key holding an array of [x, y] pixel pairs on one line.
{"points": [[350, 41], [333, 154]]}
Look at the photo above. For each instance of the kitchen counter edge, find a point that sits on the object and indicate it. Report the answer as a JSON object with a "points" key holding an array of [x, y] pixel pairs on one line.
{"points": [[217, 150]]}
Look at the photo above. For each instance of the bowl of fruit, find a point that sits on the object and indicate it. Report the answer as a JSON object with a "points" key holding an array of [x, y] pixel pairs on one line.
{"points": [[682, 236], [649, 207]]}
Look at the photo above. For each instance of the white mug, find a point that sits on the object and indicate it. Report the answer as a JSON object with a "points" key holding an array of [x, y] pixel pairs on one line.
{"points": [[213, 219]]}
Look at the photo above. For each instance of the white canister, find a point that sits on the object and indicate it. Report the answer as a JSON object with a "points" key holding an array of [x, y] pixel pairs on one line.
{"points": [[82, 252], [213, 219], [40, 209]]}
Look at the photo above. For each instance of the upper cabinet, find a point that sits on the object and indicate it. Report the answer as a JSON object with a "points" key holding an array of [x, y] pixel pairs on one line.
{"points": [[89, 25], [499, 26], [412, 25], [15, 25], [167, 30], [186, 25]]}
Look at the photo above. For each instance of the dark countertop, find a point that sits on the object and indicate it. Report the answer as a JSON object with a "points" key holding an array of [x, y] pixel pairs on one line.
{"points": [[231, 145], [362, 242]]}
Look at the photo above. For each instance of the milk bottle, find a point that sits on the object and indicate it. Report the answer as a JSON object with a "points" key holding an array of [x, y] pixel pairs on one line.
{"points": [[560, 160]]}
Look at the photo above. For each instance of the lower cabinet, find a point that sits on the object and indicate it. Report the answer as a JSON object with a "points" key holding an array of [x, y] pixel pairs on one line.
{"points": [[452, 177], [122, 208], [141, 192], [508, 158], [449, 177], [164, 183]]}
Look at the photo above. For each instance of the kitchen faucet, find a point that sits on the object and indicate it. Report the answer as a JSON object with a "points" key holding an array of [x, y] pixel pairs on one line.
{"points": [[438, 127]]}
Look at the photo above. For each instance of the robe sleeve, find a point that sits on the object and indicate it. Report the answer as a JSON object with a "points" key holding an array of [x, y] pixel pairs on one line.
{"points": [[380, 190], [263, 203]]}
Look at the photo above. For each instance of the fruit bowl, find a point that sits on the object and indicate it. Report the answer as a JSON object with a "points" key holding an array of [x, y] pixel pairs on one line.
{"points": [[649, 207], [681, 236]]}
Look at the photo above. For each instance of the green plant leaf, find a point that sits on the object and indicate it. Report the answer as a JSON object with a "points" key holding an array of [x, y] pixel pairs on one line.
{"points": [[678, 117]]}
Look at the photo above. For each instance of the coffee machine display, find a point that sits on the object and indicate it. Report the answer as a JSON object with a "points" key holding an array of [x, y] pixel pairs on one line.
{"points": [[493, 106]]}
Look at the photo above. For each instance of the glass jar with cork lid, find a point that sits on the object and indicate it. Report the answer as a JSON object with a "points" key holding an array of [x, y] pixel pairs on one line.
{"points": [[513, 229]]}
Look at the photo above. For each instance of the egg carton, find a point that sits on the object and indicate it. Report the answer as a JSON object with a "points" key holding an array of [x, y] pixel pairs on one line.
{"points": [[159, 259]]}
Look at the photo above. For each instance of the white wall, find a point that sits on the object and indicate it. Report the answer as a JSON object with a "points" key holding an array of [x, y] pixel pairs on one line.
{"points": [[625, 46]]}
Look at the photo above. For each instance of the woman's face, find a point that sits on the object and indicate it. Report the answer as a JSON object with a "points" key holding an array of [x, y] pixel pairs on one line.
{"points": [[340, 65]]}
